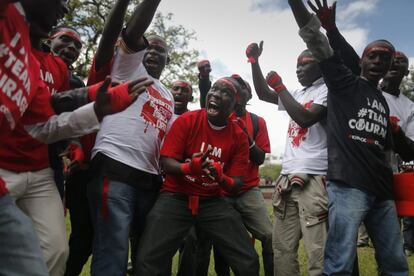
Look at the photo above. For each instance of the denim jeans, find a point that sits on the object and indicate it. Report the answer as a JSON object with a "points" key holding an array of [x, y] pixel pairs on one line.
{"points": [[408, 233], [348, 207], [20, 252], [114, 208]]}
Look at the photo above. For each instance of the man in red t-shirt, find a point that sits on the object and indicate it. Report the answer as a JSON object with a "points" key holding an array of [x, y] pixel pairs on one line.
{"points": [[25, 100], [203, 153], [249, 202]]}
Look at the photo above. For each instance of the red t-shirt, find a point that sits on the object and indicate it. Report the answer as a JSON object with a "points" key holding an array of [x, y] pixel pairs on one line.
{"points": [[252, 178], [19, 69], [21, 152], [53, 71], [191, 133]]}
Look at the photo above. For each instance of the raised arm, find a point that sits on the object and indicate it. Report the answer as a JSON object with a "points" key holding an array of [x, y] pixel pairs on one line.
{"points": [[204, 82], [138, 24], [309, 31], [327, 16], [110, 34], [263, 91], [302, 116]]}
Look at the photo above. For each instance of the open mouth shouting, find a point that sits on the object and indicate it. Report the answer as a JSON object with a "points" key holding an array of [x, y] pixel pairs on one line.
{"points": [[213, 108]]}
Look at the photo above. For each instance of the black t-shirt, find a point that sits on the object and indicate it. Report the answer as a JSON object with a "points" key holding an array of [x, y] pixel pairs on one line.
{"points": [[358, 131]]}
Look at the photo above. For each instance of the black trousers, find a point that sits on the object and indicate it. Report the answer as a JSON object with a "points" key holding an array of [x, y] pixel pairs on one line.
{"points": [[169, 222], [81, 236]]}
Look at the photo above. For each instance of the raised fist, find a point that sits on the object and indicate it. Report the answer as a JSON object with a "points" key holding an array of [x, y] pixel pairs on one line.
{"points": [[253, 52], [204, 67], [275, 81]]}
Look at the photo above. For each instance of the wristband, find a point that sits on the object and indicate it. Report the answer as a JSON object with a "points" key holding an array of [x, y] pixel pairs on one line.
{"points": [[93, 90], [252, 60], [76, 153], [280, 88], [192, 167], [227, 183], [120, 98], [185, 168]]}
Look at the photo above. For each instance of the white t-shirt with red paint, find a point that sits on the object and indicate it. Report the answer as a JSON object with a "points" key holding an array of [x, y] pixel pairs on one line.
{"points": [[133, 136], [402, 111], [306, 148], [402, 108], [192, 133]]}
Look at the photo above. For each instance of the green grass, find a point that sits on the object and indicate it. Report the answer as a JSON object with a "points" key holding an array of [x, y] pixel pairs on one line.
{"points": [[367, 264]]}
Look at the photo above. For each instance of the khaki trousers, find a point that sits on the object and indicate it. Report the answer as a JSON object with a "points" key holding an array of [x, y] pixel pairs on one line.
{"points": [[300, 213], [35, 193]]}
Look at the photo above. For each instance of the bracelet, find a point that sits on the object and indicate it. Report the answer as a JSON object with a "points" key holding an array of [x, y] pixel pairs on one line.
{"points": [[252, 145]]}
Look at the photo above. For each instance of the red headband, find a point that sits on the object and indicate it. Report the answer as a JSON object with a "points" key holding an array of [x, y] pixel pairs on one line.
{"points": [[377, 47], [182, 83], [303, 59], [400, 54], [229, 85], [67, 33]]}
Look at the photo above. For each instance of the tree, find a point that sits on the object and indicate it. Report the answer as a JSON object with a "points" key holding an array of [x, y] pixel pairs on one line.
{"points": [[407, 85], [88, 18]]}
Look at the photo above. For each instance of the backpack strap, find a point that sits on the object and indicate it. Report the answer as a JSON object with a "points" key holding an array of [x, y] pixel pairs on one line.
{"points": [[255, 124]]}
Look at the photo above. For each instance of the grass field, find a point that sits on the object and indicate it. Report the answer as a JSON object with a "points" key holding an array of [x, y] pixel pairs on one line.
{"points": [[367, 264]]}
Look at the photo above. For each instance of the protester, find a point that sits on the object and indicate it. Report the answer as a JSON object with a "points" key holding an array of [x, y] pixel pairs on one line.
{"points": [[191, 191], [27, 111], [183, 94], [126, 150], [300, 199], [359, 176], [401, 108]]}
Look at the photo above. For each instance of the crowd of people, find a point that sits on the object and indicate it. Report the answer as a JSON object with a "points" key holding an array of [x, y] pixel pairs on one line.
{"points": [[144, 177]]}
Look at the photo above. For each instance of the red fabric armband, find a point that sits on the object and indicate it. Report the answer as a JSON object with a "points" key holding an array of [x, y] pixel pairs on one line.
{"points": [[185, 168], [76, 153], [275, 81], [280, 88], [227, 183], [120, 98], [251, 60], [93, 90], [193, 167]]}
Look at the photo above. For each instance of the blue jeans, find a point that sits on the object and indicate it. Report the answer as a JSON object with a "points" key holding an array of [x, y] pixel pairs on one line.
{"points": [[20, 252], [408, 233], [348, 207], [115, 206]]}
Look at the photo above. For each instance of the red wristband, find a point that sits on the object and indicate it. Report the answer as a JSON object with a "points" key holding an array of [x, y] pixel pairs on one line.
{"points": [[280, 88], [251, 60], [120, 98], [76, 153], [193, 167], [227, 183], [185, 168], [93, 90]]}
